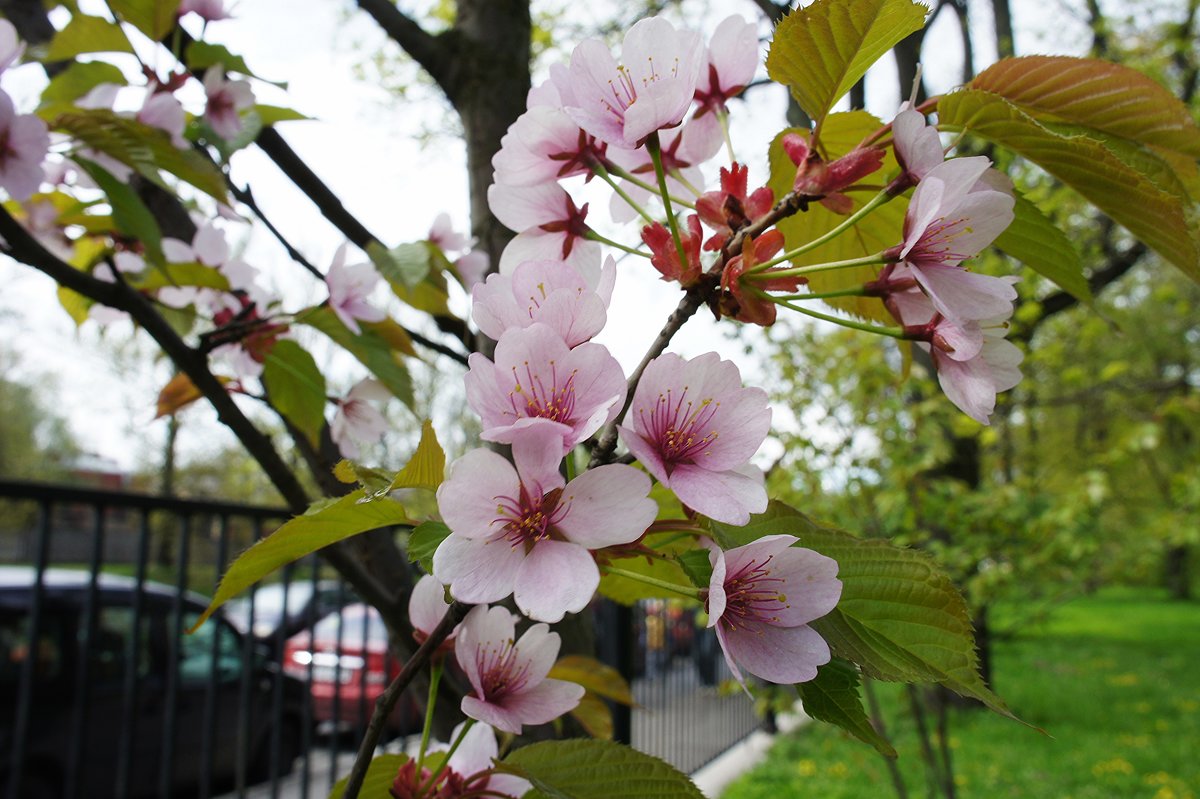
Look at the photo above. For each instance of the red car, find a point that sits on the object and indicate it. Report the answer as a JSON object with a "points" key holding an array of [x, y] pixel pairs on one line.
{"points": [[347, 664]]}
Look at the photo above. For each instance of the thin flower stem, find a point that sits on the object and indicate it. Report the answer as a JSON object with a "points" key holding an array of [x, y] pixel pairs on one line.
{"points": [[594, 236], [682, 590], [602, 171], [857, 291], [654, 147], [433, 778], [847, 223], [892, 332], [723, 118], [687, 184], [759, 272], [435, 676], [650, 187]]}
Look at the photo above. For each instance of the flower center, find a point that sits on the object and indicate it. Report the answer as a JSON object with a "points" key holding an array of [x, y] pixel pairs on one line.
{"points": [[752, 595], [936, 242], [529, 518], [624, 88], [501, 674], [535, 397], [678, 426]]}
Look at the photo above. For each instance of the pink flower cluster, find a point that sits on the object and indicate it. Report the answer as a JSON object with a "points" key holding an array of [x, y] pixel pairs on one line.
{"points": [[959, 207], [24, 138]]}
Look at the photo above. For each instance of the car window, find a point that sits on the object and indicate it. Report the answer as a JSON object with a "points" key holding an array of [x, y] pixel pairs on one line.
{"points": [[196, 651], [107, 655]]}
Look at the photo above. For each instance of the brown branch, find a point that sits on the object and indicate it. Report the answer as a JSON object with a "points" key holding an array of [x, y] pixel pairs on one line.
{"points": [[433, 53], [387, 700], [28, 250]]}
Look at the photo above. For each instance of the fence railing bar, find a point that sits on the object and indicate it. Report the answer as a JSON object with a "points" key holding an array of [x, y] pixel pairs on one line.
{"points": [[335, 736], [306, 709], [79, 715], [209, 731], [63, 495], [276, 742], [175, 634], [28, 666], [248, 658], [130, 692]]}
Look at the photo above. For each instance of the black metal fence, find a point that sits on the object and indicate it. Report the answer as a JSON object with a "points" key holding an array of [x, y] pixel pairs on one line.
{"points": [[103, 695]]}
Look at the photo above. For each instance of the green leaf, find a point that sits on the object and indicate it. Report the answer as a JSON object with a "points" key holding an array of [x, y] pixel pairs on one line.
{"points": [[407, 264], [1120, 190], [1042, 246], [326, 522], [900, 618], [697, 566], [590, 769], [189, 274], [155, 18], [369, 347], [273, 114], [377, 784], [1094, 94], [875, 232], [427, 467], [129, 213], [75, 304], [296, 387], [79, 78], [598, 678], [834, 697], [424, 541], [142, 147], [86, 34], [820, 51]]}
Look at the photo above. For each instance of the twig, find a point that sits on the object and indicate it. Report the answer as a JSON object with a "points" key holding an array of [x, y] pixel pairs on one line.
{"points": [[877, 722], [387, 700], [933, 780]]}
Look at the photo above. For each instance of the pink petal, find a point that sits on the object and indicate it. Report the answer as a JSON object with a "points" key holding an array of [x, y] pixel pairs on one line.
{"points": [[782, 655], [646, 453], [467, 499], [427, 604], [609, 505], [555, 578], [537, 452], [810, 585], [729, 496], [483, 628], [477, 570], [545, 702]]}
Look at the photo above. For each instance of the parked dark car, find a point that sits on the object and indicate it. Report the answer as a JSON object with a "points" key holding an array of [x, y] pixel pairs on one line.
{"points": [[306, 603], [77, 688], [348, 657]]}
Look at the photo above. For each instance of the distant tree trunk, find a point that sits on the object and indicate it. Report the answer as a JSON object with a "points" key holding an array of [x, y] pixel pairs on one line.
{"points": [[1002, 22], [1177, 576]]}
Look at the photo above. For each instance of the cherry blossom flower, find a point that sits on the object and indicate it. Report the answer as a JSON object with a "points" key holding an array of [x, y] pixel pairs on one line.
{"points": [[545, 144], [208, 10], [508, 676], [744, 305], [954, 292], [694, 427], [664, 255], [973, 383], [761, 598], [357, 421], [732, 59], [24, 142], [958, 209], [536, 380], [163, 110], [349, 287], [226, 101], [650, 89], [553, 293], [427, 607], [443, 235], [732, 207], [468, 772], [518, 530], [11, 46], [125, 262], [471, 268], [549, 225]]}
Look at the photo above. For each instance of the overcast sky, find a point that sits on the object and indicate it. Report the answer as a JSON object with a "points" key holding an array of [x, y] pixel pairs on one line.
{"points": [[364, 144]]}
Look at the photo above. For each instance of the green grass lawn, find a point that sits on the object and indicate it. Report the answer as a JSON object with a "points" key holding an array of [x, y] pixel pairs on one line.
{"points": [[1113, 678]]}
